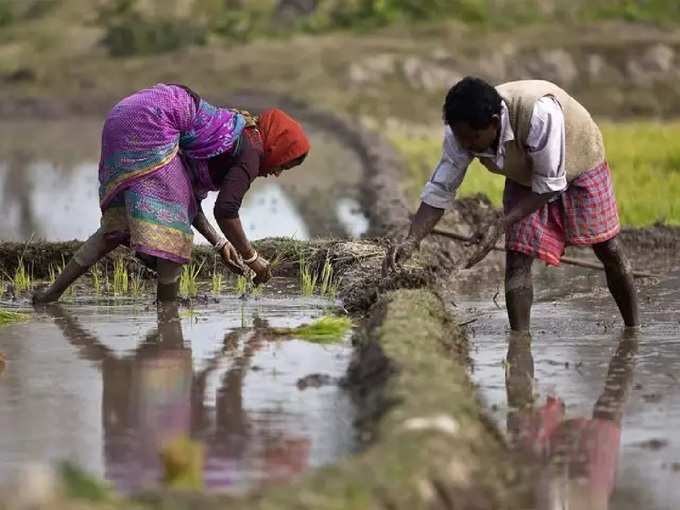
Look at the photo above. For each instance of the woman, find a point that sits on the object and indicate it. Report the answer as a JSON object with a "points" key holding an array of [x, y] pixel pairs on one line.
{"points": [[163, 149]]}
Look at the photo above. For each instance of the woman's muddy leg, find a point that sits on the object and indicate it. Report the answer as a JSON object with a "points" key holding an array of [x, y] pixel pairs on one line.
{"points": [[619, 280], [168, 281], [519, 290], [90, 252]]}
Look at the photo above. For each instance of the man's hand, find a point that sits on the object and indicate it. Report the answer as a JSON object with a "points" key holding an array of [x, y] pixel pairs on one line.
{"points": [[262, 270], [399, 253], [231, 259], [487, 239]]}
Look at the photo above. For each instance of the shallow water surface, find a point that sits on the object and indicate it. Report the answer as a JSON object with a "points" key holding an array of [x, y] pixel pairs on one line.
{"points": [[49, 186], [108, 386], [599, 409]]}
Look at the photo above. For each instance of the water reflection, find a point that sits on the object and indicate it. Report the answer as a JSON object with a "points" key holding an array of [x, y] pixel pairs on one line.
{"points": [[51, 192], [578, 455], [154, 394]]}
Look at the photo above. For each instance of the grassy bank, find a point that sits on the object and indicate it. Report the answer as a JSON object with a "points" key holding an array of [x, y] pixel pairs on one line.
{"points": [[644, 157]]}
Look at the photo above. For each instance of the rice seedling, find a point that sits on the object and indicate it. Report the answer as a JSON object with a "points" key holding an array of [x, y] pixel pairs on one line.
{"points": [[241, 285], [327, 329], [51, 274], [328, 286], [308, 278], [217, 279], [256, 290], [136, 283], [120, 277], [7, 317], [188, 281], [97, 279], [22, 279]]}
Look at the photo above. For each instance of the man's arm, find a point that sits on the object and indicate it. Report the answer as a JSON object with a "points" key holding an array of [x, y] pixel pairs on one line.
{"points": [[546, 144], [438, 194], [424, 221], [546, 148]]}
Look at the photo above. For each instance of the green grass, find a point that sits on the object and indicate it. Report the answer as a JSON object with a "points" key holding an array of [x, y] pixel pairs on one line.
{"points": [[7, 317], [327, 329], [644, 157]]}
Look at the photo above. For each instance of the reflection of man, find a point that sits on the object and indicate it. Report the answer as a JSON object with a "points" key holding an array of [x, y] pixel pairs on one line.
{"points": [[154, 396], [579, 454]]}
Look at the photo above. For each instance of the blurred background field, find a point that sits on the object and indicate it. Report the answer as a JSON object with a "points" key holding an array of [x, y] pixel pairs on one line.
{"points": [[644, 157], [383, 63]]}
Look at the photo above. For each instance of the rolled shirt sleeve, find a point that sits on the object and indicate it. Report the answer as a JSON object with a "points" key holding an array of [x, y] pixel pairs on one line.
{"points": [[546, 146], [440, 190]]}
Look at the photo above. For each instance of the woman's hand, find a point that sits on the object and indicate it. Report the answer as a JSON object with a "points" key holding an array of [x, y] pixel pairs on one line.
{"points": [[231, 259], [262, 269]]}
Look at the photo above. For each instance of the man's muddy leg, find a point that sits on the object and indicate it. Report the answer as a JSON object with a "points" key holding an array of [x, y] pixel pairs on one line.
{"points": [[90, 252], [619, 280], [168, 281], [519, 290]]}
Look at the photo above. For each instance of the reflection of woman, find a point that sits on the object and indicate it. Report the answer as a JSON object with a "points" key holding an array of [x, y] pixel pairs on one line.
{"points": [[154, 396], [580, 454], [163, 149]]}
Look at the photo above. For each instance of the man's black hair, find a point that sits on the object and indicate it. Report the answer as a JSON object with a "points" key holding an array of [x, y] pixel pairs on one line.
{"points": [[473, 101]]}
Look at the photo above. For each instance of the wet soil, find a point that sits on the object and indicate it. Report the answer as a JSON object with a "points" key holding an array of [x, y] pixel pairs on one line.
{"points": [[107, 386]]}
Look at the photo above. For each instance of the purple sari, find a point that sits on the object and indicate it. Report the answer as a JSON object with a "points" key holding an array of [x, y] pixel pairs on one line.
{"points": [[153, 170]]}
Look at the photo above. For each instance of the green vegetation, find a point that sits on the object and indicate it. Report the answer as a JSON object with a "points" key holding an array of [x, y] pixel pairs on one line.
{"points": [[120, 277], [328, 286], [7, 317], [22, 279], [97, 275], [217, 280], [308, 277], [77, 484], [644, 157], [142, 27], [136, 283], [136, 27], [327, 329], [241, 285], [188, 280]]}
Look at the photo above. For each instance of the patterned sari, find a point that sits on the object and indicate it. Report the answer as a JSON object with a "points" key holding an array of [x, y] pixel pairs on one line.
{"points": [[153, 170]]}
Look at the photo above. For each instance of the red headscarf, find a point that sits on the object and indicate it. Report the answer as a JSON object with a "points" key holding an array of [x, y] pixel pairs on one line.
{"points": [[283, 138]]}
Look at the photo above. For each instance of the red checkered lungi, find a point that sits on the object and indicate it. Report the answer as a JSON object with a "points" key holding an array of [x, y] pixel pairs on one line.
{"points": [[584, 214]]}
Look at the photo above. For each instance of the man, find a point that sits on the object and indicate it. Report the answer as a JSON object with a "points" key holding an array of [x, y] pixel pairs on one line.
{"points": [[558, 188]]}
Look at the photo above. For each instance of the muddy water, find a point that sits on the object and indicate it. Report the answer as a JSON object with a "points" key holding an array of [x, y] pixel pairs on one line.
{"points": [[598, 409], [48, 187], [107, 386]]}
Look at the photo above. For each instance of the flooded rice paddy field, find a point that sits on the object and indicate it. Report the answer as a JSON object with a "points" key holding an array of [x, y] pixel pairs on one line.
{"points": [[108, 386], [49, 187], [598, 408]]}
